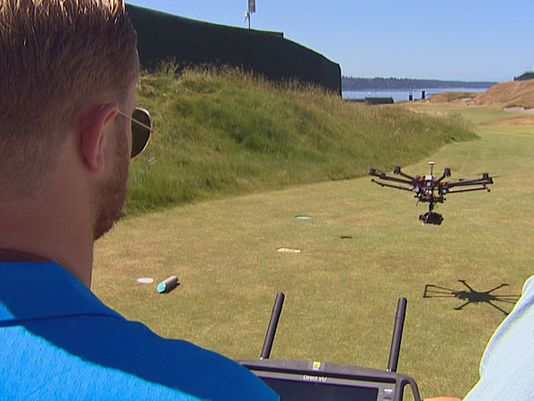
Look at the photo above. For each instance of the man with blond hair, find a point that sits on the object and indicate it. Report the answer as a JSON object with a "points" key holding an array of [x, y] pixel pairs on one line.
{"points": [[68, 127]]}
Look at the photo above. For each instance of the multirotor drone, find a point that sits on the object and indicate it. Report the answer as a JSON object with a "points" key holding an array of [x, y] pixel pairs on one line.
{"points": [[428, 189]]}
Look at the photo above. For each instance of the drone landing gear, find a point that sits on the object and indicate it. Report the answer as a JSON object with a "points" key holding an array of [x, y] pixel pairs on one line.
{"points": [[431, 218]]}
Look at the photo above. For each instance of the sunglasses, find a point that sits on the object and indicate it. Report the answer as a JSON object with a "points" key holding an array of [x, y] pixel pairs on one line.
{"points": [[141, 129]]}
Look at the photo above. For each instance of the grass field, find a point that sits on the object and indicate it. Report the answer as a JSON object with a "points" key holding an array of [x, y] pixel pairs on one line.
{"points": [[340, 293]]}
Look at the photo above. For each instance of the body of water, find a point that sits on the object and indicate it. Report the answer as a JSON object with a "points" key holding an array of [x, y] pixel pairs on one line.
{"points": [[404, 94]]}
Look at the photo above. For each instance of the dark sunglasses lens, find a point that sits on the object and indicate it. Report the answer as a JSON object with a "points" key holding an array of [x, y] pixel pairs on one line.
{"points": [[140, 134]]}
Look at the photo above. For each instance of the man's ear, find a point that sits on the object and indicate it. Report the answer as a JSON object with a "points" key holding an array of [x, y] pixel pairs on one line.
{"points": [[91, 129]]}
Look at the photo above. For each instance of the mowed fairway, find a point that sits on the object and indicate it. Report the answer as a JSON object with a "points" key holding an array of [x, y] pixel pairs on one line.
{"points": [[341, 293]]}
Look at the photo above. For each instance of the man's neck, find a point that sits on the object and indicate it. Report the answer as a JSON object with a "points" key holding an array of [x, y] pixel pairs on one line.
{"points": [[52, 227], [12, 255]]}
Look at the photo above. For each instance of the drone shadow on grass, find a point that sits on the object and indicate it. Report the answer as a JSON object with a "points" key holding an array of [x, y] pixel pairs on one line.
{"points": [[472, 296]]}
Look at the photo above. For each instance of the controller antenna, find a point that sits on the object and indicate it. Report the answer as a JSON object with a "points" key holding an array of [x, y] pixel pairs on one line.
{"points": [[397, 335], [273, 324]]}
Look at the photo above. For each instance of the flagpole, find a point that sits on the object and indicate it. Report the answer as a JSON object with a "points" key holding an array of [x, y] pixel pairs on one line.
{"points": [[251, 9]]}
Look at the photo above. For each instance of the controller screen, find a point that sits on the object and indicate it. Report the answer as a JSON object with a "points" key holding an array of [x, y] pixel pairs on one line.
{"points": [[293, 390]]}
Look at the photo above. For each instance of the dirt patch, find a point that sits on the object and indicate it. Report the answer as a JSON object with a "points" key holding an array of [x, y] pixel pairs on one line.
{"points": [[527, 120]]}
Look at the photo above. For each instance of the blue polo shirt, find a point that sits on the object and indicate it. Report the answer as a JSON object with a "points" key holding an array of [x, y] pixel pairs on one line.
{"points": [[59, 342]]}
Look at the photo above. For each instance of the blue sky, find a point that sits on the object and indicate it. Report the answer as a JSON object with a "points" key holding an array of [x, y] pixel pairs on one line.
{"points": [[439, 39]]}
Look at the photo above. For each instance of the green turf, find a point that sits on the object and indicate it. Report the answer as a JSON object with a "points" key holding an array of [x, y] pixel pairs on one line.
{"points": [[341, 293]]}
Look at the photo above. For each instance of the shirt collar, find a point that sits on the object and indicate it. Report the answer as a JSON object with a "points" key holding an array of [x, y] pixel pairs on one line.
{"points": [[43, 290]]}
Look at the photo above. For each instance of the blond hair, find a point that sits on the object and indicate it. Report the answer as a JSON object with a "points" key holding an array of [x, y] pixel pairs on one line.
{"points": [[54, 56]]}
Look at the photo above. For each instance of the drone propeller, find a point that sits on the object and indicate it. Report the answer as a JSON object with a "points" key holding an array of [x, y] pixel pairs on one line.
{"points": [[492, 176], [484, 175]]}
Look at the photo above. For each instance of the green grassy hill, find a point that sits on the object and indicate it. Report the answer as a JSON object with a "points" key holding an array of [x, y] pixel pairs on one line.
{"points": [[224, 133]]}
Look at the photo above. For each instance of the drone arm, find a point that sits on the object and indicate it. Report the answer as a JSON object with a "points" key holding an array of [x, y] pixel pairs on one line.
{"points": [[440, 179], [478, 181], [465, 183], [383, 184], [385, 177], [468, 190], [405, 175], [446, 173]]}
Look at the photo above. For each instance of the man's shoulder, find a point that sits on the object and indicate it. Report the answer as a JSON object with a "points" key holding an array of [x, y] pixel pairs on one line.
{"points": [[201, 371], [57, 336], [131, 360]]}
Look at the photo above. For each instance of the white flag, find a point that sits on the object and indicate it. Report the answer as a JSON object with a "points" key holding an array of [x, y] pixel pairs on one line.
{"points": [[252, 6]]}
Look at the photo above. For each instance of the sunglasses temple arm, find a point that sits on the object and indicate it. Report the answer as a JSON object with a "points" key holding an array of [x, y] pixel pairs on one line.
{"points": [[135, 121], [141, 124]]}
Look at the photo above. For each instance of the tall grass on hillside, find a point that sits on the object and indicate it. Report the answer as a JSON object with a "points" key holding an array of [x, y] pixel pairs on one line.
{"points": [[226, 132]]}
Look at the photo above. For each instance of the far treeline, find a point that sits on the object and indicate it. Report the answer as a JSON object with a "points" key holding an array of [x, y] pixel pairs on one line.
{"points": [[359, 84]]}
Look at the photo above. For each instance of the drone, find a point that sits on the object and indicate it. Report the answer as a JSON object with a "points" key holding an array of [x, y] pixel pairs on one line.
{"points": [[428, 189]]}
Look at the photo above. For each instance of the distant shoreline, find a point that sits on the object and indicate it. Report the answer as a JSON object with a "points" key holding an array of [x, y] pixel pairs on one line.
{"points": [[404, 94], [350, 84]]}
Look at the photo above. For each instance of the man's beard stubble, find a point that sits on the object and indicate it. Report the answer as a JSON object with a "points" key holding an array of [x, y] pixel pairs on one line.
{"points": [[112, 195]]}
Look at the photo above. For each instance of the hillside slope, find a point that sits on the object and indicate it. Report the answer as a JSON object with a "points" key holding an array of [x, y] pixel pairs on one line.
{"points": [[225, 133], [509, 94]]}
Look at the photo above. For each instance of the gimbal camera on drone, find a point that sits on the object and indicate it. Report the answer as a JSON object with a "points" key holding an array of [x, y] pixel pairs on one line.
{"points": [[428, 189]]}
